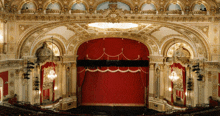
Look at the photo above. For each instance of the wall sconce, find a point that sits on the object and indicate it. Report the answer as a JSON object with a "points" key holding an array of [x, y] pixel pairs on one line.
{"points": [[55, 88], [170, 89]]}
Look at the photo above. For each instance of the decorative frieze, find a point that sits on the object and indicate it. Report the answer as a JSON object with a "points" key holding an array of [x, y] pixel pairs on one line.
{"points": [[83, 17], [11, 64], [156, 59]]}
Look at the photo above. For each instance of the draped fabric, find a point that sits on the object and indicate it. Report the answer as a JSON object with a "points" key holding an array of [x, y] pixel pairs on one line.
{"points": [[113, 85], [48, 64], [46, 94], [181, 94], [4, 76]]}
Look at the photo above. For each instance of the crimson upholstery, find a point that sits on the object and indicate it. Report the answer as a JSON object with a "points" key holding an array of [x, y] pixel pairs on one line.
{"points": [[104, 87]]}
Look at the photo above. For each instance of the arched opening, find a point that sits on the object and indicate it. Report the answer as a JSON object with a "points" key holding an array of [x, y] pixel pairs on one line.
{"points": [[112, 84], [120, 5], [53, 6], [79, 6], [199, 7], [146, 7], [173, 7], [28, 6]]}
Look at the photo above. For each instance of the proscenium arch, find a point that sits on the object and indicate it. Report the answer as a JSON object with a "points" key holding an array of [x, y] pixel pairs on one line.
{"points": [[108, 36], [36, 29]]}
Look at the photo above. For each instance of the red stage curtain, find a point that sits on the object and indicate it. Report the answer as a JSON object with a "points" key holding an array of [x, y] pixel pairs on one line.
{"points": [[113, 87], [4, 76], [48, 64], [184, 80]]}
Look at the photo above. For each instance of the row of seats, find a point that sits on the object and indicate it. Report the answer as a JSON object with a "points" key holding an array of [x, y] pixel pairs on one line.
{"points": [[8, 111]]}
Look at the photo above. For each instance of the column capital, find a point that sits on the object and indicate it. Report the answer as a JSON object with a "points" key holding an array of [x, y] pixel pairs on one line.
{"points": [[69, 58]]}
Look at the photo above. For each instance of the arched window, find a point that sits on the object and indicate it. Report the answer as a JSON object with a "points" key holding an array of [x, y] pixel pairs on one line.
{"points": [[200, 7], [173, 7], [120, 5], [148, 7], [53, 6], [123, 6], [29, 6], [79, 6]]}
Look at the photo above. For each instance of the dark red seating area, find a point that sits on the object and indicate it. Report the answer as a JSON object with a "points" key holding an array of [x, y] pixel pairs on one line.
{"points": [[7, 111], [25, 109], [39, 110]]}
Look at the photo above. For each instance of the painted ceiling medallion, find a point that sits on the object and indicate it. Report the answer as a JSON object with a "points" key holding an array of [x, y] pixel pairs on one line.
{"points": [[113, 25]]}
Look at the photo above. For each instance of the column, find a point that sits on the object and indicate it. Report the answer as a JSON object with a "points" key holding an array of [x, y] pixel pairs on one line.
{"points": [[74, 79], [162, 82], [59, 87], [20, 86], [151, 80], [64, 80]]}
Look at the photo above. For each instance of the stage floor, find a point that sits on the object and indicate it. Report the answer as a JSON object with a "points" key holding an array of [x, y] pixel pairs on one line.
{"points": [[112, 111]]}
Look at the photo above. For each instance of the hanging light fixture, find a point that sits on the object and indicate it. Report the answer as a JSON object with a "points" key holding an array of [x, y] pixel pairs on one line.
{"points": [[173, 76], [52, 74]]}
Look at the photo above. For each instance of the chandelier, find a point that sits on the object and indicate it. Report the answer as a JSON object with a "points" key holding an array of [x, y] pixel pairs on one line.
{"points": [[113, 25], [173, 76], [52, 74]]}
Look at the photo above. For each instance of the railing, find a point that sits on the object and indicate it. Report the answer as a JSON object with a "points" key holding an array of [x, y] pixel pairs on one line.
{"points": [[78, 11], [53, 11], [174, 12], [28, 11], [199, 12], [149, 12]]}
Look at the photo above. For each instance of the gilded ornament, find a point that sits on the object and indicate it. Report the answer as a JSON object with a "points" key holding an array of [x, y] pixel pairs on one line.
{"points": [[215, 30], [12, 92], [12, 75], [11, 83]]}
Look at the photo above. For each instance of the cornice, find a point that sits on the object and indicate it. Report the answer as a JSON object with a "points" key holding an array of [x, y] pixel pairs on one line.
{"points": [[86, 17]]}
